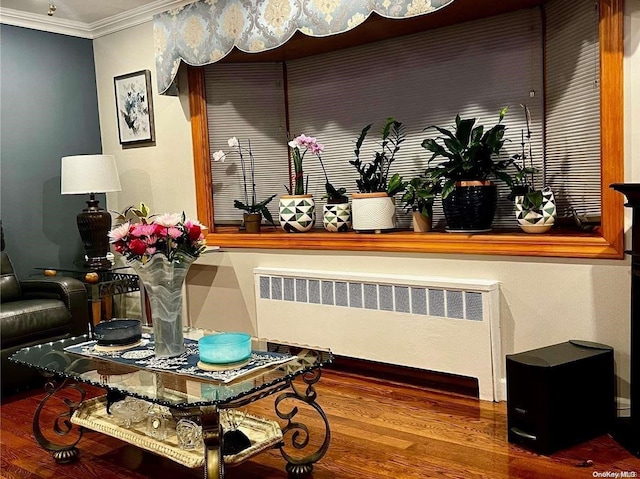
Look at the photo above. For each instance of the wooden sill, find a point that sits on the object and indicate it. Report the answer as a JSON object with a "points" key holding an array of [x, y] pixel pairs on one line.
{"points": [[557, 243]]}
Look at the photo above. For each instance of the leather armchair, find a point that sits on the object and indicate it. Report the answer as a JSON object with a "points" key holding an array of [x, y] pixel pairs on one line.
{"points": [[35, 311]]}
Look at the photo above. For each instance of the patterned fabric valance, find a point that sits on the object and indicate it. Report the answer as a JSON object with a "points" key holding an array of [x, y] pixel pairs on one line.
{"points": [[205, 31]]}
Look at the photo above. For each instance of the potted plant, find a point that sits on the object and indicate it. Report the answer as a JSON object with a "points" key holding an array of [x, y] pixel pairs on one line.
{"points": [[469, 197], [336, 213], [297, 208], [535, 208], [419, 196], [254, 210], [373, 206]]}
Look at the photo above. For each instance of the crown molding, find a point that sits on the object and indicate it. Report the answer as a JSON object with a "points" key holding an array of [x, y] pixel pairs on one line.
{"points": [[97, 29], [45, 23]]}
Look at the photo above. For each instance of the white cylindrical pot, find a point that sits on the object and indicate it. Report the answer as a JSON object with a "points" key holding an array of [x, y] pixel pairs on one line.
{"points": [[373, 212]]}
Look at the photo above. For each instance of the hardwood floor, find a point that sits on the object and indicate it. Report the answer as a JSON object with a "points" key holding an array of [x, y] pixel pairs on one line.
{"points": [[378, 430]]}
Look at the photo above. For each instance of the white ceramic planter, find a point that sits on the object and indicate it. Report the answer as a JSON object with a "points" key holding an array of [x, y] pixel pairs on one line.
{"points": [[537, 221], [297, 213], [336, 217], [373, 212]]}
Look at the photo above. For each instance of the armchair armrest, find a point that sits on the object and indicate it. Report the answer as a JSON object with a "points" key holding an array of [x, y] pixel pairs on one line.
{"points": [[69, 290]]}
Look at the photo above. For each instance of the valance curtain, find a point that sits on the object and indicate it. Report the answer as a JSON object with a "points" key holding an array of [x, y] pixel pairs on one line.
{"points": [[206, 31]]}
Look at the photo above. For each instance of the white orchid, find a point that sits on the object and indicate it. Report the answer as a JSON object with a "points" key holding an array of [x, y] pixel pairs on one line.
{"points": [[219, 156], [233, 142]]}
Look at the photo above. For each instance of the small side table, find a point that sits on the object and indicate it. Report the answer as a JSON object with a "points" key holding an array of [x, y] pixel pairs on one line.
{"points": [[101, 292]]}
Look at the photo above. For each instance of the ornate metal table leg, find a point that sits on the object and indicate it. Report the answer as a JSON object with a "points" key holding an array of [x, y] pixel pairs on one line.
{"points": [[212, 437], [300, 434], [62, 426]]}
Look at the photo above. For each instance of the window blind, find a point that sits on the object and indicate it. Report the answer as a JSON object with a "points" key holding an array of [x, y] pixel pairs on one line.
{"points": [[573, 105], [246, 101], [424, 79]]}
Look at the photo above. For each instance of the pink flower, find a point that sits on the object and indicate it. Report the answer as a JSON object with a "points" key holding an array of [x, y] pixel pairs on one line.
{"points": [[317, 148], [151, 250], [143, 229], [119, 233], [151, 240], [167, 220], [174, 233]]}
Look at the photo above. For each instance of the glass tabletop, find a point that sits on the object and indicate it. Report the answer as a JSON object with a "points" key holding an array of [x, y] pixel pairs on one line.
{"points": [[167, 387]]}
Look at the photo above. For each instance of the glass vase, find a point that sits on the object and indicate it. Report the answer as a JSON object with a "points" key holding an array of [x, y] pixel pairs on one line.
{"points": [[162, 280]]}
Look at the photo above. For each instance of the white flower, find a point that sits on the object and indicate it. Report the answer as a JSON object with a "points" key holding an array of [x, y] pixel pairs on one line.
{"points": [[293, 144], [218, 156], [167, 220], [233, 142], [119, 233]]}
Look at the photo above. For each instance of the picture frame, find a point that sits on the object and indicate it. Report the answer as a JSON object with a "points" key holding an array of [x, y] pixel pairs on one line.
{"points": [[134, 107]]}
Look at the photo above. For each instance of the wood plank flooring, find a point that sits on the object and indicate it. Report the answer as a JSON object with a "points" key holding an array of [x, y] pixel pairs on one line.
{"points": [[379, 429]]}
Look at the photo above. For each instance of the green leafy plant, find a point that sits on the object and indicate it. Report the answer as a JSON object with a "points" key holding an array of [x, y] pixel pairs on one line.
{"points": [[420, 194], [469, 153], [374, 175]]}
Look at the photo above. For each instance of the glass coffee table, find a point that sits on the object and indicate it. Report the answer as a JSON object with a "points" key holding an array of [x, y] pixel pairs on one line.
{"points": [[204, 403]]}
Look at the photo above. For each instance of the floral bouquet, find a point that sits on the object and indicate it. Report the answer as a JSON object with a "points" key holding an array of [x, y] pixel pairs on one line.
{"points": [[144, 236]]}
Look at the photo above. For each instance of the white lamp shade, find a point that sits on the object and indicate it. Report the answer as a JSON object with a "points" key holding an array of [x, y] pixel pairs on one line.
{"points": [[89, 174]]}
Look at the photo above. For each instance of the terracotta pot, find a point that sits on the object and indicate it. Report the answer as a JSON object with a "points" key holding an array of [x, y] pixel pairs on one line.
{"points": [[421, 223], [252, 222]]}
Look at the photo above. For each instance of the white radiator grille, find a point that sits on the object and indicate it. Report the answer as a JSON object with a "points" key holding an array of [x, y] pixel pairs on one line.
{"points": [[440, 324], [445, 303]]}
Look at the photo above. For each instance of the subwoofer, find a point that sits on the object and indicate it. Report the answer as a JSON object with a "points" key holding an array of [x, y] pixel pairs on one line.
{"points": [[560, 395]]}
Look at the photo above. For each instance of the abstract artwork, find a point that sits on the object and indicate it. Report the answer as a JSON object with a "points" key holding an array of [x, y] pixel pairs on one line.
{"points": [[134, 106]]}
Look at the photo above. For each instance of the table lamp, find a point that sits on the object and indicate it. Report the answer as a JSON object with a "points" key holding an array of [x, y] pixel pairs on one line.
{"points": [[91, 174]]}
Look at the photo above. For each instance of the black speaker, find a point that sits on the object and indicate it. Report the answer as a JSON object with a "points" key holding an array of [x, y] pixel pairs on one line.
{"points": [[560, 395]]}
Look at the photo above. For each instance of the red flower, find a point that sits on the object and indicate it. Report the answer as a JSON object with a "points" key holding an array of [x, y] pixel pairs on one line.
{"points": [[137, 246], [119, 246], [194, 232]]}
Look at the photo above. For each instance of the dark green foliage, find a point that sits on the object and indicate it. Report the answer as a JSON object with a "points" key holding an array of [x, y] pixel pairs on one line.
{"points": [[374, 175], [468, 152], [257, 208], [419, 195]]}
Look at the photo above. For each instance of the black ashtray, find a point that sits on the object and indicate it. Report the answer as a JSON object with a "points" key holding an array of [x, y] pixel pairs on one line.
{"points": [[118, 332]]}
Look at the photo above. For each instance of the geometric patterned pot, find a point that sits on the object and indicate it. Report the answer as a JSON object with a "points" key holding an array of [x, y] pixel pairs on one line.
{"points": [[297, 213], [336, 217], [537, 220]]}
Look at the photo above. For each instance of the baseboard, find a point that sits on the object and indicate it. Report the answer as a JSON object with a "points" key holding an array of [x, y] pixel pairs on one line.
{"points": [[445, 382]]}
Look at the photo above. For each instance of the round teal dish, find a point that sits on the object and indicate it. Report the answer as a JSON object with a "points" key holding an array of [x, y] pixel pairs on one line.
{"points": [[224, 348]]}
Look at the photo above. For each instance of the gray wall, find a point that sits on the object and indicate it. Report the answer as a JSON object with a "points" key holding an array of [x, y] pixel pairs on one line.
{"points": [[48, 109]]}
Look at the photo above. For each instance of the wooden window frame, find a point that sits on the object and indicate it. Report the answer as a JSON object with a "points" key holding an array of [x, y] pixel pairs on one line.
{"points": [[605, 242]]}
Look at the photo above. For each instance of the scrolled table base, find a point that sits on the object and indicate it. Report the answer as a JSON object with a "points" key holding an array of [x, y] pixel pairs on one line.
{"points": [[300, 434], [61, 453]]}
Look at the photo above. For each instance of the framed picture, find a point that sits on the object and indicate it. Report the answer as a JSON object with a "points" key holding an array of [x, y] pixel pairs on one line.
{"points": [[134, 107]]}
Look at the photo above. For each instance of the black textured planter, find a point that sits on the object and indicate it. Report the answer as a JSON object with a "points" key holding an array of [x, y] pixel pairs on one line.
{"points": [[470, 208]]}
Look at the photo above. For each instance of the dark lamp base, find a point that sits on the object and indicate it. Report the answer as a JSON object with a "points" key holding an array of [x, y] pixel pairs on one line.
{"points": [[93, 225]]}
